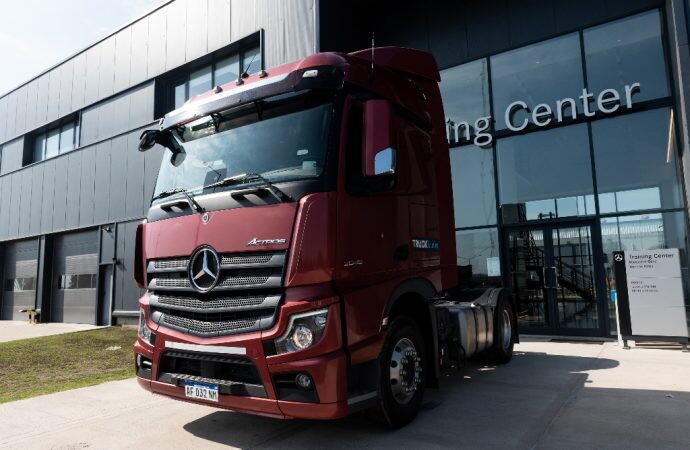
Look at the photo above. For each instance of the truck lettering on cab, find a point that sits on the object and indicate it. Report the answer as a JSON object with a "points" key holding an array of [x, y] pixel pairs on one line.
{"points": [[256, 241]]}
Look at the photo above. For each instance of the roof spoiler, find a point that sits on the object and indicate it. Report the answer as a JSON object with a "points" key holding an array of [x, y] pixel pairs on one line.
{"points": [[407, 60]]}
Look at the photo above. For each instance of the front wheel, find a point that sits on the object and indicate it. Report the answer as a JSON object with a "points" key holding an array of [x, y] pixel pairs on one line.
{"points": [[504, 332], [402, 376]]}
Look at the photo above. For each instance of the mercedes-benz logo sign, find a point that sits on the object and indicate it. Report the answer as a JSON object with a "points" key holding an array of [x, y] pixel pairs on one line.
{"points": [[619, 257], [204, 269]]}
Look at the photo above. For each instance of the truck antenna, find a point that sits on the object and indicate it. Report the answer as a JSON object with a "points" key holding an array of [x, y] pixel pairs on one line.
{"points": [[371, 73]]}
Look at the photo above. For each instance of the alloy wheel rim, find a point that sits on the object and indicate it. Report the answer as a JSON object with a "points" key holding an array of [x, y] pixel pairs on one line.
{"points": [[506, 329], [405, 371]]}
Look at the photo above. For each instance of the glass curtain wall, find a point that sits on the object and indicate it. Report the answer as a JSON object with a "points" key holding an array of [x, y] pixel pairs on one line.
{"points": [[599, 143]]}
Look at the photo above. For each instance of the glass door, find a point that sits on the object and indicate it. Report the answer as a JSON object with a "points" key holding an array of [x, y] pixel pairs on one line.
{"points": [[553, 277]]}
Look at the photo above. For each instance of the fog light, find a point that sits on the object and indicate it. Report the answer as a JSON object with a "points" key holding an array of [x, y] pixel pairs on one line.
{"points": [[303, 381]]}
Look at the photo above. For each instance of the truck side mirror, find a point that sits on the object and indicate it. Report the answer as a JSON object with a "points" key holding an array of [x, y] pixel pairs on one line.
{"points": [[379, 154]]}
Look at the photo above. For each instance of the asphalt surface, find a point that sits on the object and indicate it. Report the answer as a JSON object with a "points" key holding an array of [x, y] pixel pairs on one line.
{"points": [[552, 395]]}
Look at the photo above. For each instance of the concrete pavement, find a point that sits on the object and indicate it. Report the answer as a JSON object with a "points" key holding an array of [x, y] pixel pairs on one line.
{"points": [[12, 330], [552, 395]]}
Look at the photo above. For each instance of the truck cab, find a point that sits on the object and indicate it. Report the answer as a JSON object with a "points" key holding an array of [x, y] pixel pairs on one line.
{"points": [[299, 252]]}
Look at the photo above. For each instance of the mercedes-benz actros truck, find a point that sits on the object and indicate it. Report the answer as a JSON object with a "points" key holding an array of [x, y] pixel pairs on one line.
{"points": [[299, 253]]}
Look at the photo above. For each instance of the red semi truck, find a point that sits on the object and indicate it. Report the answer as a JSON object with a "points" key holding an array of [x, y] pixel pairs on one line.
{"points": [[299, 253]]}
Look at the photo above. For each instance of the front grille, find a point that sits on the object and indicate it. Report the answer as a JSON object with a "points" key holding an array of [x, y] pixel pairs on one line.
{"points": [[245, 299]]}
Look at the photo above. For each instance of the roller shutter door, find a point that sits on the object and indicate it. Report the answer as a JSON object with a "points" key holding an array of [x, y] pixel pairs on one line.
{"points": [[75, 274], [19, 279]]}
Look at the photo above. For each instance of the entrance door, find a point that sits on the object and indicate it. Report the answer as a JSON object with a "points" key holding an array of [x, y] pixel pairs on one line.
{"points": [[554, 272]]}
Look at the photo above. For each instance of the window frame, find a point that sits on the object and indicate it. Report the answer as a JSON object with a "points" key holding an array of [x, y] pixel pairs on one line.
{"points": [[30, 154]]}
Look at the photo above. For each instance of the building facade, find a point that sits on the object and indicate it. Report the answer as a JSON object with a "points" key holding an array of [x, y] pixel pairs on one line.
{"points": [[567, 123]]}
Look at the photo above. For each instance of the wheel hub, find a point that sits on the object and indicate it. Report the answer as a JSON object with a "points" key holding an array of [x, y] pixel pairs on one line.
{"points": [[405, 370]]}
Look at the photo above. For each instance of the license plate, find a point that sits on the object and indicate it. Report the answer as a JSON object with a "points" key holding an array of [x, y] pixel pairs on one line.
{"points": [[200, 391]]}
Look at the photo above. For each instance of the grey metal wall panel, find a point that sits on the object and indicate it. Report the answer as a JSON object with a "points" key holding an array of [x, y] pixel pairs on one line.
{"points": [[48, 209], [15, 200], [218, 24], [106, 68], [93, 60], [131, 291], [197, 29], [53, 95], [141, 108], [36, 202], [118, 177], [20, 121], [118, 298], [25, 200], [139, 52], [102, 184], [6, 192], [176, 24], [488, 29], [87, 187], [66, 71], [11, 115], [3, 120], [107, 244], [42, 100], [123, 56], [73, 188], [79, 81], [31, 101], [520, 13], [12, 155], [89, 125], [134, 205], [119, 120], [297, 18], [157, 43], [60, 193], [569, 15], [242, 19], [152, 162], [106, 110]]}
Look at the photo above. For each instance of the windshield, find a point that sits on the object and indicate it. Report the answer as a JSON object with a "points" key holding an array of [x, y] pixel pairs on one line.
{"points": [[282, 139]]}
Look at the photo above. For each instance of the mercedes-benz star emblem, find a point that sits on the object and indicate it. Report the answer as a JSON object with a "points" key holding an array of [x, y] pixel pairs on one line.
{"points": [[204, 269]]}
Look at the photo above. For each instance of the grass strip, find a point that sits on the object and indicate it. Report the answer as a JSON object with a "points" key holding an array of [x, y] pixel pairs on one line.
{"points": [[37, 366]]}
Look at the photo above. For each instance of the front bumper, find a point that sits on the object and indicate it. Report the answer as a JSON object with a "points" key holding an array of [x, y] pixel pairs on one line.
{"points": [[260, 389]]}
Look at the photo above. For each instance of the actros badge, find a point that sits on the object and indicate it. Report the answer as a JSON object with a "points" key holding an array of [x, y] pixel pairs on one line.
{"points": [[256, 241]]}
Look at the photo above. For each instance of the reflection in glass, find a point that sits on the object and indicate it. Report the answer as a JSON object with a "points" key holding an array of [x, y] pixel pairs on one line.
{"points": [[474, 198], [67, 138], [539, 73], [635, 157], [642, 232], [614, 53], [180, 94], [40, 147], [573, 267], [252, 60], [465, 93], [545, 175], [478, 255], [526, 262], [227, 70], [200, 81], [53, 143]]}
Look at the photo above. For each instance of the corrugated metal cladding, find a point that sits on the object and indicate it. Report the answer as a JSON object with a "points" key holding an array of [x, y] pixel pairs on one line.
{"points": [[110, 86], [75, 260], [20, 267]]}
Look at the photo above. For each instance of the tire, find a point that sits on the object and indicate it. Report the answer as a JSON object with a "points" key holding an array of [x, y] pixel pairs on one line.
{"points": [[504, 333], [400, 394]]}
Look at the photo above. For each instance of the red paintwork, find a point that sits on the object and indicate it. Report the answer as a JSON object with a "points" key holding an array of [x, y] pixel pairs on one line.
{"points": [[327, 234]]}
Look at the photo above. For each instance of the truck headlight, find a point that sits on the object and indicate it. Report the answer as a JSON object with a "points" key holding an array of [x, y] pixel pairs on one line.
{"points": [[303, 331], [145, 332]]}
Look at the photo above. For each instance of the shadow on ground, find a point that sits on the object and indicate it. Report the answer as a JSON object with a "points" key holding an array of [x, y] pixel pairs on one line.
{"points": [[537, 400]]}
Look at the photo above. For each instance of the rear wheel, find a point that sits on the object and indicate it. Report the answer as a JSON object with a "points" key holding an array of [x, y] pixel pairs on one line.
{"points": [[402, 373], [504, 332]]}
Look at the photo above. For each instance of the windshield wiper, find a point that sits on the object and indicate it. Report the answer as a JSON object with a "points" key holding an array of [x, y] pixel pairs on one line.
{"points": [[246, 177], [178, 190]]}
